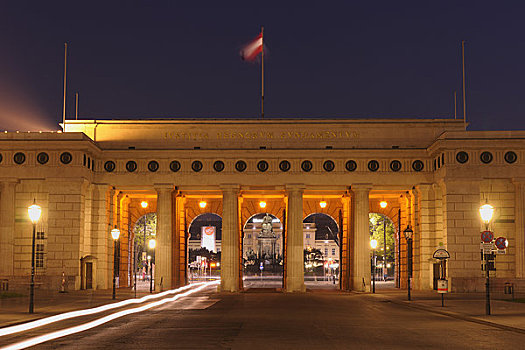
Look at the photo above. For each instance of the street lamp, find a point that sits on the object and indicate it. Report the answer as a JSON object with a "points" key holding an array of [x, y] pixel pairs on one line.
{"points": [[408, 236], [115, 233], [373, 245], [486, 211], [34, 211], [152, 243]]}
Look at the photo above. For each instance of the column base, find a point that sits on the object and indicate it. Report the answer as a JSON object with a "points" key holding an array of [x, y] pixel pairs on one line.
{"points": [[359, 286]]}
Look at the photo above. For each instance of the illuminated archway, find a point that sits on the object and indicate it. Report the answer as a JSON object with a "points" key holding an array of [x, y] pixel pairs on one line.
{"points": [[204, 247]]}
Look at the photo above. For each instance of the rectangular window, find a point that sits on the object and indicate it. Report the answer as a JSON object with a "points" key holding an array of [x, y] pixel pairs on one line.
{"points": [[307, 235], [326, 251], [40, 235], [39, 255], [333, 251]]}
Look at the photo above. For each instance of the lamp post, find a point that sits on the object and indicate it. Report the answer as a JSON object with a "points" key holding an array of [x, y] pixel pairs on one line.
{"points": [[144, 205], [151, 244], [34, 211], [373, 245], [115, 233], [486, 211], [408, 236]]}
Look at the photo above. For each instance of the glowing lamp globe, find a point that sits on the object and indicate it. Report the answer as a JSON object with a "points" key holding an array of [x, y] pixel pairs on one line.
{"points": [[115, 233], [262, 204], [486, 211], [383, 204], [34, 212], [152, 243], [144, 204], [373, 244], [322, 204], [202, 204]]}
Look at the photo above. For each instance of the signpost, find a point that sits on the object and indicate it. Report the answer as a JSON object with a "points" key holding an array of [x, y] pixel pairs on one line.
{"points": [[488, 247], [442, 287]]}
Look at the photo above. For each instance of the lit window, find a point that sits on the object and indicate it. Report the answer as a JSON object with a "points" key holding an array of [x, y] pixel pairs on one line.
{"points": [[333, 251], [325, 251]]}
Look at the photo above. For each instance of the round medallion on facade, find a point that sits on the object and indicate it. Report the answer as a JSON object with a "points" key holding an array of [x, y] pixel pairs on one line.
{"points": [[175, 166], [373, 165], [462, 157], [240, 166], [511, 157], [131, 166], [42, 158], [262, 166], [19, 158], [418, 165], [218, 166], [284, 165], [196, 166], [306, 165], [351, 165], [486, 157], [395, 165], [109, 166], [153, 166], [329, 165], [66, 158]]}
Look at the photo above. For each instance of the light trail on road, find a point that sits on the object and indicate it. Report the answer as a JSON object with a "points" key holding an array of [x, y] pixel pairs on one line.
{"points": [[91, 311], [83, 327]]}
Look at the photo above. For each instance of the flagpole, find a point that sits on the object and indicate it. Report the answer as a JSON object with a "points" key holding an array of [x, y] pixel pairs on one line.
{"points": [[262, 72], [455, 106], [64, 103], [76, 105], [464, 96]]}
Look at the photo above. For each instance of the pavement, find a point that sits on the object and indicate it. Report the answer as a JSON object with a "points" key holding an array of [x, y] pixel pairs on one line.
{"points": [[505, 314], [15, 310]]}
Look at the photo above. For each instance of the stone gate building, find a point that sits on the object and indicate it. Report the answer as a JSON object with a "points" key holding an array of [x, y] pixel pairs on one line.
{"points": [[92, 178]]}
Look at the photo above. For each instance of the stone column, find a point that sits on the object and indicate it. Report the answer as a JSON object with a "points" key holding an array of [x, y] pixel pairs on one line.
{"points": [[230, 238], [101, 236], [7, 227], [294, 240], [425, 236], [520, 227], [361, 267], [163, 250]]}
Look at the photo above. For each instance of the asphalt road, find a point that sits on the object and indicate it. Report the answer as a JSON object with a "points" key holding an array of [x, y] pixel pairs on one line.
{"points": [[262, 320]]}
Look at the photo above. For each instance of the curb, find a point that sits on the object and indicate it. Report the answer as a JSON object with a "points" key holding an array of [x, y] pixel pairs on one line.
{"points": [[457, 316]]}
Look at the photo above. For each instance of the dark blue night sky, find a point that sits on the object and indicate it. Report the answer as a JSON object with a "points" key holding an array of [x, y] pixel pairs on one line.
{"points": [[166, 59]]}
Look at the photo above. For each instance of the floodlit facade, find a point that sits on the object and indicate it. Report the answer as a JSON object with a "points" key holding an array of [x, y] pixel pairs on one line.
{"points": [[92, 178]]}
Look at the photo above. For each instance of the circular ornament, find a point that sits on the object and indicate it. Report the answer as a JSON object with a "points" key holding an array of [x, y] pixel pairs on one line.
{"points": [[284, 165], [218, 166], [66, 158], [329, 165], [240, 166], [262, 166], [131, 166], [42, 158], [109, 166], [19, 158], [373, 165], [462, 157], [153, 166], [351, 165], [175, 166], [307, 165], [395, 165]]}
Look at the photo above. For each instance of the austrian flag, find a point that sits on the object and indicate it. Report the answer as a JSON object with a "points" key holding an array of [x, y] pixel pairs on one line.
{"points": [[250, 51]]}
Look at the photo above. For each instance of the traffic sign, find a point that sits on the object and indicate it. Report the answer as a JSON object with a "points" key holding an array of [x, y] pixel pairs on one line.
{"points": [[501, 243], [441, 254], [442, 286], [487, 236]]}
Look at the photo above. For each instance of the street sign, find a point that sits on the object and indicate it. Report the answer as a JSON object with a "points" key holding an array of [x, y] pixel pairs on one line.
{"points": [[501, 243], [442, 286], [487, 236], [441, 254], [487, 248]]}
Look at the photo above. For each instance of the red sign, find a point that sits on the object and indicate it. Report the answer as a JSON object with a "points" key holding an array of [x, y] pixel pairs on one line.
{"points": [[487, 236], [501, 243], [209, 230]]}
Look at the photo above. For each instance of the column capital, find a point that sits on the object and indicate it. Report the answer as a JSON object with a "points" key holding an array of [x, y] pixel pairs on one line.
{"points": [[361, 187], [230, 187], [9, 180], [164, 187], [294, 187], [518, 180]]}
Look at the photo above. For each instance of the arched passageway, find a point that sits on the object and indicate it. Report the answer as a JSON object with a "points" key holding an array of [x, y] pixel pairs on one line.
{"points": [[204, 247], [321, 251], [262, 252], [384, 256]]}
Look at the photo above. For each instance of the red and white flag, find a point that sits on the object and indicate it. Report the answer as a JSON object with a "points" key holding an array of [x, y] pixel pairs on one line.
{"points": [[250, 51]]}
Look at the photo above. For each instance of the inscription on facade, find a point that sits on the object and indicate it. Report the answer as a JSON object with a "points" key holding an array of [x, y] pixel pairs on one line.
{"points": [[263, 135]]}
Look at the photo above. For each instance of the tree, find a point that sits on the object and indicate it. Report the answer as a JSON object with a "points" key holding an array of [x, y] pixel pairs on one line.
{"points": [[377, 233]]}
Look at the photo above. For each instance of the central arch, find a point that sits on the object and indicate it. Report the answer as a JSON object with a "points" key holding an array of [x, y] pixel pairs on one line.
{"points": [[262, 252]]}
